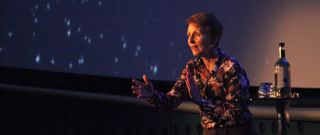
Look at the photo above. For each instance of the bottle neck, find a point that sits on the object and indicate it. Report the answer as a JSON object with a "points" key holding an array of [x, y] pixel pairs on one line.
{"points": [[282, 53]]}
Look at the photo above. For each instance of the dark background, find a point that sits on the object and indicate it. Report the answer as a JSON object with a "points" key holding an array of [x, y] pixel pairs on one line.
{"points": [[127, 38]]}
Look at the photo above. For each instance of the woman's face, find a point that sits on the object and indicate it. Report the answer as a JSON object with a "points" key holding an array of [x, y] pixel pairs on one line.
{"points": [[199, 40]]}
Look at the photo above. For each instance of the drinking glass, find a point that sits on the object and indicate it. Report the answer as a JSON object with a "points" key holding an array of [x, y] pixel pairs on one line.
{"points": [[266, 90]]}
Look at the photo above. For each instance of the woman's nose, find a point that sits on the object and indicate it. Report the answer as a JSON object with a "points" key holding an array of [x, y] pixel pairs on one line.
{"points": [[190, 40]]}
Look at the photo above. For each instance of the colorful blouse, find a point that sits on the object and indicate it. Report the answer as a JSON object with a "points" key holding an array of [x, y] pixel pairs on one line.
{"points": [[225, 92]]}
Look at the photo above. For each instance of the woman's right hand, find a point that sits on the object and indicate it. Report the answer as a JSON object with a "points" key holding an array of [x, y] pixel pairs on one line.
{"points": [[142, 90]]}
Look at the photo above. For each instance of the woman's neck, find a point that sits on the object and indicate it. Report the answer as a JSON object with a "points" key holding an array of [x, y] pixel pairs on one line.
{"points": [[210, 59]]}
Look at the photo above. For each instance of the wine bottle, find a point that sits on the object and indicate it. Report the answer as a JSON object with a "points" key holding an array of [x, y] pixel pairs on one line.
{"points": [[282, 74]]}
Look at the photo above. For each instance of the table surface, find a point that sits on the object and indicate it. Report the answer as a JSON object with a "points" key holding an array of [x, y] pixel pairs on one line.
{"points": [[294, 102]]}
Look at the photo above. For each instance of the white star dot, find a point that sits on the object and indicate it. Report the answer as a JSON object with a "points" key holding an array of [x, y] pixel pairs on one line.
{"points": [[48, 6], [35, 20], [52, 61], [100, 3], [10, 34], [81, 60], [138, 48], [67, 21], [124, 45], [116, 60], [36, 6], [101, 36], [69, 33], [37, 59], [155, 69], [171, 44], [70, 65], [89, 40]]}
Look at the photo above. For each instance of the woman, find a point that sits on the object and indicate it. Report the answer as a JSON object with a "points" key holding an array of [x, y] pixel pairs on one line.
{"points": [[213, 80]]}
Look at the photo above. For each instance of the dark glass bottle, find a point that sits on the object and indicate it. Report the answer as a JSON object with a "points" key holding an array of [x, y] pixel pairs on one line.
{"points": [[282, 74]]}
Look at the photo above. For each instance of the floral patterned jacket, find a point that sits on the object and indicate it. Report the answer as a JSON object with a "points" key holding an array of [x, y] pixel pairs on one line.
{"points": [[225, 93]]}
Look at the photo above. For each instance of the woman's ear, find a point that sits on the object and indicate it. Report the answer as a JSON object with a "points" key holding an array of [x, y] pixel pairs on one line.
{"points": [[214, 42]]}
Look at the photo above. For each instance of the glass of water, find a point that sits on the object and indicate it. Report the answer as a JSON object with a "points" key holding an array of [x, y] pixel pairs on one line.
{"points": [[266, 90]]}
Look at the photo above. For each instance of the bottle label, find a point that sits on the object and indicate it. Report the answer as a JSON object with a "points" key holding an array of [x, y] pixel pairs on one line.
{"points": [[282, 80]]}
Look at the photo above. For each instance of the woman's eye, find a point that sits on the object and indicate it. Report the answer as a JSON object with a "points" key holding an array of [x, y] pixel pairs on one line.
{"points": [[196, 34]]}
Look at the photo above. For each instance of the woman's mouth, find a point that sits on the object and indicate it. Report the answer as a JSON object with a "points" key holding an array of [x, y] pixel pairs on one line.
{"points": [[194, 47]]}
